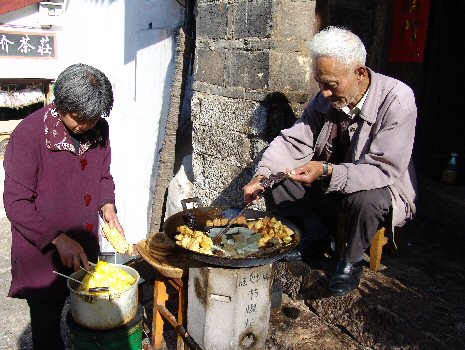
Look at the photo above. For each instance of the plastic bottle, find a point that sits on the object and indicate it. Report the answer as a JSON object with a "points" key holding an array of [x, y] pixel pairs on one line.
{"points": [[449, 174]]}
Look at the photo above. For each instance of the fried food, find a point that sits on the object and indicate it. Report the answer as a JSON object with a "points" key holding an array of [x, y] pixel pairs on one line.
{"points": [[271, 232], [194, 240], [271, 228], [218, 222]]}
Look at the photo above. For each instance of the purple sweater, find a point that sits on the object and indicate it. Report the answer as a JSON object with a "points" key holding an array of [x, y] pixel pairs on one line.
{"points": [[50, 189]]}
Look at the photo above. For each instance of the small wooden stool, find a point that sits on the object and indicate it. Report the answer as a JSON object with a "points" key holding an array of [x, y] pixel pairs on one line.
{"points": [[376, 248], [168, 272], [171, 270], [161, 313]]}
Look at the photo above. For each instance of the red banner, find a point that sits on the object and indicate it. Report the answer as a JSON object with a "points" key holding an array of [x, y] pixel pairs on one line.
{"points": [[409, 30]]}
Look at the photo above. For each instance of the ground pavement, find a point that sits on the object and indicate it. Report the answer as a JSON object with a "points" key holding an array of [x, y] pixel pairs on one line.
{"points": [[414, 302]]}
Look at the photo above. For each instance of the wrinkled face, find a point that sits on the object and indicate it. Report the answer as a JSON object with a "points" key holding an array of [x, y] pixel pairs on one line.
{"points": [[339, 84], [76, 126]]}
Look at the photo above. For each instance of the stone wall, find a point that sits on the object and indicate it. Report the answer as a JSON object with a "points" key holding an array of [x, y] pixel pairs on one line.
{"points": [[252, 78]]}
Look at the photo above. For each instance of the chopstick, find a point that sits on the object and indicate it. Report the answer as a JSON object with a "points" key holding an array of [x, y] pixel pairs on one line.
{"points": [[217, 238], [70, 278], [90, 273], [268, 182], [95, 289]]}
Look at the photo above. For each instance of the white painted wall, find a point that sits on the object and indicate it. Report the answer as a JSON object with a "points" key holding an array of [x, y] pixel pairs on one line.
{"points": [[114, 36]]}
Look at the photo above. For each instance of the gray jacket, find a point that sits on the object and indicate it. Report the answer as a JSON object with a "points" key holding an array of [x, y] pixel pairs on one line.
{"points": [[381, 145]]}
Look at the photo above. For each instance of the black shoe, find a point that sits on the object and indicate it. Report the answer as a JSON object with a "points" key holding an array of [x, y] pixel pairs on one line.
{"points": [[345, 279]]}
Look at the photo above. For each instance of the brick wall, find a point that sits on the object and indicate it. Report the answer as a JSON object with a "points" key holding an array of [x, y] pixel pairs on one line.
{"points": [[252, 77]]}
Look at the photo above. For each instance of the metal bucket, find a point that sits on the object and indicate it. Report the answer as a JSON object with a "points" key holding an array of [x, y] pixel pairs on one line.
{"points": [[105, 311]]}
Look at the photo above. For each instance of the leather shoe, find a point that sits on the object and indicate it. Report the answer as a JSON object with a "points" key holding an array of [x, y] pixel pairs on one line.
{"points": [[346, 278]]}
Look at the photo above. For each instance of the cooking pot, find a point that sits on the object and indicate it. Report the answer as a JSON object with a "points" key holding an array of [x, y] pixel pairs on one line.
{"points": [[261, 257], [103, 310]]}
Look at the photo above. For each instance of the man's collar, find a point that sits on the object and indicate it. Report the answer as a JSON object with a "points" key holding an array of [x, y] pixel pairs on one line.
{"points": [[356, 110]]}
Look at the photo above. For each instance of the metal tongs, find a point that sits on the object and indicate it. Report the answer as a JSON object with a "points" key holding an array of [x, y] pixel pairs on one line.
{"points": [[267, 183]]}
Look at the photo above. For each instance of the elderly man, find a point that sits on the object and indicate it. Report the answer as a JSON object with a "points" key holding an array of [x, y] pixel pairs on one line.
{"points": [[352, 148]]}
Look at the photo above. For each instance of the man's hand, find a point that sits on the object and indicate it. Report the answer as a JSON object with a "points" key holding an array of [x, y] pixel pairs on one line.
{"points": [[109, 215], [71, 252], [252, 190], [309, 172]]}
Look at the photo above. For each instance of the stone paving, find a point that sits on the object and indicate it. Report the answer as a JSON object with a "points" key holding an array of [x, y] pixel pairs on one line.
{"points": [[15, 331], [414, 302]]}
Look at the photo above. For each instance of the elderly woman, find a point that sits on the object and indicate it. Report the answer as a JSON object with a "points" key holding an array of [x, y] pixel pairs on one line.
{"points": [[57, 180]]}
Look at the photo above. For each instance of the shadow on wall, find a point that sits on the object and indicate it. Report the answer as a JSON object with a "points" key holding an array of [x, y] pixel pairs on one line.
{"points": [[279, 116]]}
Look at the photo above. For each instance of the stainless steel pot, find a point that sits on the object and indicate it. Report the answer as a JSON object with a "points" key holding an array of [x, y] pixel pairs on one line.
{"points": [[105, 311]]}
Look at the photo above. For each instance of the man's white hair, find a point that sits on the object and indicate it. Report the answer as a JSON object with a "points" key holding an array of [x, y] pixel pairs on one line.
{"points": [[339, 43]]}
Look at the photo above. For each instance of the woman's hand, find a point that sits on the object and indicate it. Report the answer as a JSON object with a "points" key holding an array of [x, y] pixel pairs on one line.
{"points": [[109, 215], [252, 190], [71, 252], [309, 172]]}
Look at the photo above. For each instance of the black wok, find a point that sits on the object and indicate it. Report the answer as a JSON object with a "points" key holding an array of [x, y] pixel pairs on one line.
{"points": [[261, 257]]}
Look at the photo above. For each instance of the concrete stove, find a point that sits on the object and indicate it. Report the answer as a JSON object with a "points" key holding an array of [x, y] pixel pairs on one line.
{"points": [[229, 308]]}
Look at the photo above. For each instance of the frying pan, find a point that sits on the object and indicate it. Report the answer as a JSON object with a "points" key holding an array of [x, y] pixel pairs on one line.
{"points": [[261, 257]]}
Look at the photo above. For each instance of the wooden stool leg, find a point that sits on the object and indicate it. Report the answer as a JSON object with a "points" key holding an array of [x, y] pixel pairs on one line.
{"points": [[180, 286], [376, 249], [160, 296], [182, 310]]}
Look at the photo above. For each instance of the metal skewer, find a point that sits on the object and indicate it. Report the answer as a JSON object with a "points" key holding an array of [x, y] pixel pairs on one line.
{"points": [[217, 239], [90, 273], [267, 183], [95, 289], [70, 278]]}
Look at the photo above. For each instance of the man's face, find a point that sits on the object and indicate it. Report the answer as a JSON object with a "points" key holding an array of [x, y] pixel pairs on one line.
{"points": [[337, 83]]}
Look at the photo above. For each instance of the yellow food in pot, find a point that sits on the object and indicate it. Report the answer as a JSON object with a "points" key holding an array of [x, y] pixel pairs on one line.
{"points": [[107, 275]]}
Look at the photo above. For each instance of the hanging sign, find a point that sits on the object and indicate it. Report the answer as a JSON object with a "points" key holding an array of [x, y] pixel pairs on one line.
{"points": [[27, 45], [409, 31]]}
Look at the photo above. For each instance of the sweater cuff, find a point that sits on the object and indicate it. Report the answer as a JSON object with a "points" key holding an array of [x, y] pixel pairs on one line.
{"points": [[338, 178], [46, 240], [263, 171]]}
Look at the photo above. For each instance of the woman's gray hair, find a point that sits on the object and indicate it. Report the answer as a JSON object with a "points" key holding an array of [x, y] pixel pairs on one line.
{"points": [[84, 90], [339, 43]]}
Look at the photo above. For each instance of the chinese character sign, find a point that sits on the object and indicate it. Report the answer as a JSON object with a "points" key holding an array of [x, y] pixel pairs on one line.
{"points": [[31, 45], [409, 31]]}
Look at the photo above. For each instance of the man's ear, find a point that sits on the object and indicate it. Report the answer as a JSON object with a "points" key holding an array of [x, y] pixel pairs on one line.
{"points": [[361, 72]]}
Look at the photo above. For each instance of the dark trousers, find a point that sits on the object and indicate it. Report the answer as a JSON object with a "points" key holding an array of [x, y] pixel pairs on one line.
{"points": [[45, 324], [367, 211]]}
